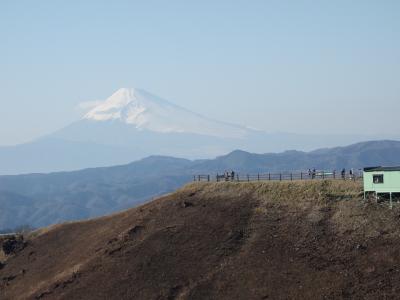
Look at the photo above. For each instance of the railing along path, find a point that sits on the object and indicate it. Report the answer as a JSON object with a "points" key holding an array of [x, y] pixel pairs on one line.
{"points": [[238, 177]]}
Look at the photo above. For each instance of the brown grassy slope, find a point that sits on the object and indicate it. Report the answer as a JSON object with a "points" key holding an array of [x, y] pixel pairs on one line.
{"points": [[303, 240]]}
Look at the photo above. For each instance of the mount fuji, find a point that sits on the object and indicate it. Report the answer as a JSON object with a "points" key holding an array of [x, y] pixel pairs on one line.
{"points": [[132, 124], [146, 124], [145, 111]]}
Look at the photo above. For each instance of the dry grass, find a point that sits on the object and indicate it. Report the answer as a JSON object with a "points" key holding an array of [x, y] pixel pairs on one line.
{"points": [[2, 256], [318, 191], [257, 240]]}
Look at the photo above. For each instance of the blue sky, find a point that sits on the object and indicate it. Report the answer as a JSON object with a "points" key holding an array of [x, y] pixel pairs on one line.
{"points": [[297, 66]]}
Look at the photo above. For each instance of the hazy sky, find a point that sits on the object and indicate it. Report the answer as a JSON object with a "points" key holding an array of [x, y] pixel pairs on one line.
{"points": [[298, 66]]}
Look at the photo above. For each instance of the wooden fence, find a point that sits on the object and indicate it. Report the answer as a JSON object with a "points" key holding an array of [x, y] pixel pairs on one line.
{"points": [[277, 176]]}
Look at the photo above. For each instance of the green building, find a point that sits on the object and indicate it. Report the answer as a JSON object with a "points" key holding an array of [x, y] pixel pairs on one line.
{"points": [[382, 180]]}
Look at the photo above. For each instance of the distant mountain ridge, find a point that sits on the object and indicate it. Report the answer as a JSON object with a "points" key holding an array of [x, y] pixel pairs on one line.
{"points": [[43, 199], [132, 124], [386, 152]]}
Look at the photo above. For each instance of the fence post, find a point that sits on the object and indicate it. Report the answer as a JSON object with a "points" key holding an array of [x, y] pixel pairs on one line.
{"points": [[208, 177], [301, 176], [269, 176], [217, 178], [291, 176], [198, 177], [258, 176], [280, 176], [323, 174], [248, 178]]}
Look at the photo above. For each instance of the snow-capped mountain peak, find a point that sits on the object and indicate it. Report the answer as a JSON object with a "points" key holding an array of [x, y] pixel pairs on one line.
{"points": [[118, 106], [146, 111]]}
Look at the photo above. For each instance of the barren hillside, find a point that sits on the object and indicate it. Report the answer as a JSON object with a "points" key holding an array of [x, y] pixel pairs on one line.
{"points": [[303, 240]]}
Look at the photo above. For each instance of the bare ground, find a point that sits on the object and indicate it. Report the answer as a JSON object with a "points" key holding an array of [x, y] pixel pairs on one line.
{"points": [[288, 240]]}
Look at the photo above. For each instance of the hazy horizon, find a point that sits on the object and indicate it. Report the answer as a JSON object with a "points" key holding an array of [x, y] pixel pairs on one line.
{"points": [[304, 67]]}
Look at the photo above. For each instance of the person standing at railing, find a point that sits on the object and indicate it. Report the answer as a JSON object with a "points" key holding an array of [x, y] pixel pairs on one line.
{"points": [[343, 173], [309, 173], [232, 175], [226, 176]]}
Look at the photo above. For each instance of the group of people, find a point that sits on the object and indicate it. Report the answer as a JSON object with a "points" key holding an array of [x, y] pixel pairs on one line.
{"points": [[351, 174], [229, 176], [312, 173]]}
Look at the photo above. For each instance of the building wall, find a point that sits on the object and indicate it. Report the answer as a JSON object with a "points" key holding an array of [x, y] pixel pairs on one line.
{"points": [[391, 182]]}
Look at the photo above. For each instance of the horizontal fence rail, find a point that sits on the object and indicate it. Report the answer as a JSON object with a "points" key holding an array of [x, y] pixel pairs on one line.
{"points": [[238, 177], [201, 178]]}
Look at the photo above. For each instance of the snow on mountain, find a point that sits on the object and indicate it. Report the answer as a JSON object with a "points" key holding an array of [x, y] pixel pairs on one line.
{"points": [[145, 111]]}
